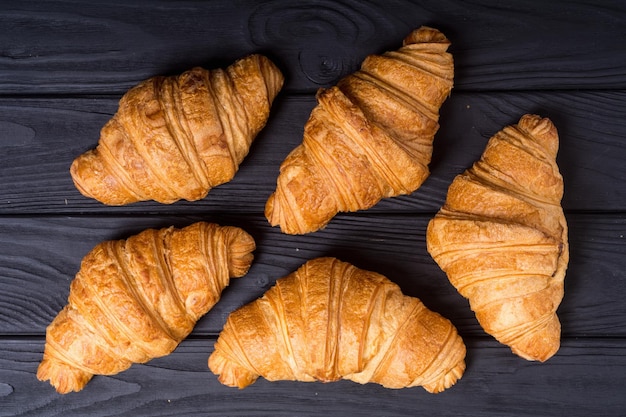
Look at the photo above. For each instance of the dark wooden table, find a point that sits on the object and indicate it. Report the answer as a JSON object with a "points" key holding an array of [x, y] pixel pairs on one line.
{"points": [[65, 64]]}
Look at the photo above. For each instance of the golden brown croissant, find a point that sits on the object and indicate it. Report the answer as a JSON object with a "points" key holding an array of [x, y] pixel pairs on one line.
{"points": [[330, 320], [369, 137], [177, 137], [501, 237], [136, 299]]}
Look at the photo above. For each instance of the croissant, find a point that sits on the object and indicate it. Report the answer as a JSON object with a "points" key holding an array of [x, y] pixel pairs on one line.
{"points": [[501, 237], [369, 137], [177, 137], [330, 320], [137, 299]]}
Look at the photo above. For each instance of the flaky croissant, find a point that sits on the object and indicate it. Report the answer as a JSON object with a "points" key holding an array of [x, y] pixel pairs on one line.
{"points": [[177, 137], [136, 299], [369, 137], [330, 320], [501, 237]]}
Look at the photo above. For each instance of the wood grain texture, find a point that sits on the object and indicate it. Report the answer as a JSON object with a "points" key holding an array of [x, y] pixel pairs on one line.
{"points": [[108, 46], [582, 380], [39, 257], [39, 138]]}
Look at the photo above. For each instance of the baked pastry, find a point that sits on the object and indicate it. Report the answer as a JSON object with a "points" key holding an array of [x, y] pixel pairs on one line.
{"points": [[330, 320], [501, 237], [137, 299], [177, 137], [369, 137]]}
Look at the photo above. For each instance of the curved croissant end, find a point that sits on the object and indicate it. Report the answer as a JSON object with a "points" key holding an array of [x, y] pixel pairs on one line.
{"points": [[137, 299], [330, 320], [177, 137], [501, 237], [369, 137]]}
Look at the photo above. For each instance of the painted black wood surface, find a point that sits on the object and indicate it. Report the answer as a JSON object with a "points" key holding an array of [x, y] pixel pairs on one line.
{"points": [[65, 64]]}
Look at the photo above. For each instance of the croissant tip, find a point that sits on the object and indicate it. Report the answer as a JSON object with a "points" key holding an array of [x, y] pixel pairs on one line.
{"points": [[537, 124], [538, 355], [447, 380], [63, 378], [425, 34], [542, 130]]}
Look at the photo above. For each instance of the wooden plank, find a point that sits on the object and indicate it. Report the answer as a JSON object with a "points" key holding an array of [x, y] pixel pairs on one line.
{"points": [[40, 256], [106, 47], [39, 138], [585, 378]]}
